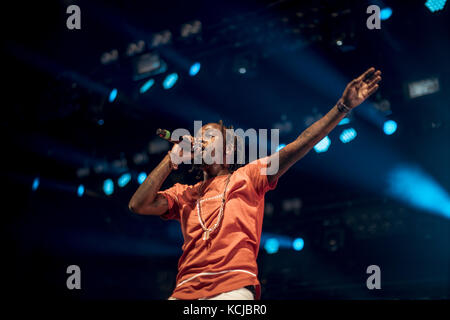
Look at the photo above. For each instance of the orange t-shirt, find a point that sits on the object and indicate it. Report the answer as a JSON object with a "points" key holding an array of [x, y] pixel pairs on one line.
{"points": [[227, 261]]}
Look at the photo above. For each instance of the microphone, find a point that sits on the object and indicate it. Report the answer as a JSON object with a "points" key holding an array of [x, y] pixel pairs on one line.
{"points": [[167, 135]]}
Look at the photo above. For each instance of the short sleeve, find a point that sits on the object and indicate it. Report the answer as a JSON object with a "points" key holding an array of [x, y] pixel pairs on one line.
{"points": [[173, 196], [257, 172]]}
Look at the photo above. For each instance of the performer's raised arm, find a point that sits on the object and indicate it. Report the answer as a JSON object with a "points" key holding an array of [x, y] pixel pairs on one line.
{"points": [[356, 92]]}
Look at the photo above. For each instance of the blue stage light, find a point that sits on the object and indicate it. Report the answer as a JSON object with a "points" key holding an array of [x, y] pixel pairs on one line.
{"points": [[281, 146], [147, 85], [390, 127], [344, 121], [141, 177], [195, 68], [35, 185], [123, 180], [322, 145], [170, 80], [108, 187], [347, 135], [80, 190], [385, 13], [413, 186], [298, 244], [112, 95], [271, 245], [435, 5]]}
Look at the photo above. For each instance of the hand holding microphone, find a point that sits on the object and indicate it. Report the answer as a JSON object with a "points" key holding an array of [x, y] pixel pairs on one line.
{"points": [[183, 149]]}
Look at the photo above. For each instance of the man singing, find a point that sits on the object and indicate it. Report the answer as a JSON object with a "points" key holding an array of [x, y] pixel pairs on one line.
{"points": [[221, 217]]}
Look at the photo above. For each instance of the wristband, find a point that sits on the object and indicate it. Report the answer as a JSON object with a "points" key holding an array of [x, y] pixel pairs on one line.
{"points": [[342, 107]]}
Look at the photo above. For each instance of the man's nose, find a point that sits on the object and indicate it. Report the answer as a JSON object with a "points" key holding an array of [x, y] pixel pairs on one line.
{"points": [[200, 143]]}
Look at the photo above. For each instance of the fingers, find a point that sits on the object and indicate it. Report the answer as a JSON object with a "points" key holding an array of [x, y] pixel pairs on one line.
{"points": [[373, 81], [366, 74], [372, 90], [183, 149], [374, 75], [177, 149]]}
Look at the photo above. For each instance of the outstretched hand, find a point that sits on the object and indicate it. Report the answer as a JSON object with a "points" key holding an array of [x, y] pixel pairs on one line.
{"points": [[359, 89]]}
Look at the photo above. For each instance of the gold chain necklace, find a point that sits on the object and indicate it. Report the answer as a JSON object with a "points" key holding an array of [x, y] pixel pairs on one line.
{"points": [[207, 231]]}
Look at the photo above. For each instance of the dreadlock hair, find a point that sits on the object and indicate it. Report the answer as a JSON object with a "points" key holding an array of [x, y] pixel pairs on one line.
{"points": [[237, 149]]}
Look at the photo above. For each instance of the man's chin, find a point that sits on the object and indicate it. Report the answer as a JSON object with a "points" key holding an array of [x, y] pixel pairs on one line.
{"points": [[205, 166]]}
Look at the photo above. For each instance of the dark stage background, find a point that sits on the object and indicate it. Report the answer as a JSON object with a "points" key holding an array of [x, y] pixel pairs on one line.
{"points": [[379, 199]]}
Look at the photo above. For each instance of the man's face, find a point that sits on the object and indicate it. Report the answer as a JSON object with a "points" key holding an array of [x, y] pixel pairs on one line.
{"points": [[210, 140]]}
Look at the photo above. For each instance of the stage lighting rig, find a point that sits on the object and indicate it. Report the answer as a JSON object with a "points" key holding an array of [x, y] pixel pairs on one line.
{"points": [[190, 29], [161, 38], [435, 5], [135, 48], [109, 57], [147, 65], [423, 87]]}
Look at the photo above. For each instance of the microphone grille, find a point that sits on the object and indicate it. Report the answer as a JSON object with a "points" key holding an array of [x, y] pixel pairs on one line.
{"points": [[163, 133]]}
